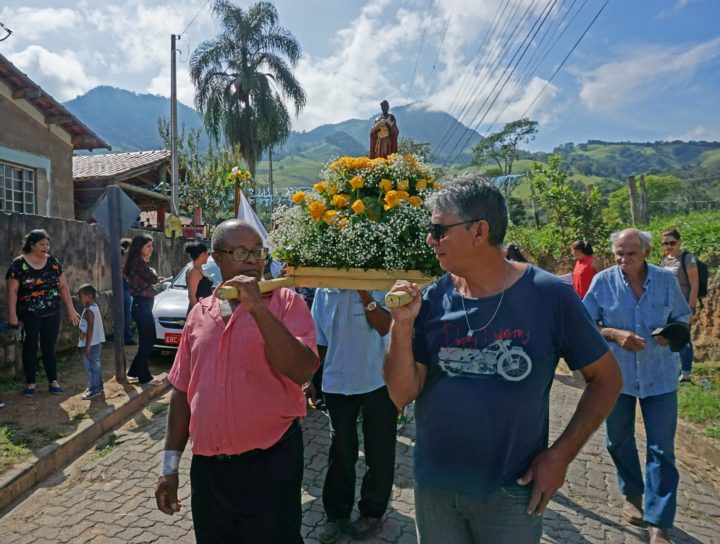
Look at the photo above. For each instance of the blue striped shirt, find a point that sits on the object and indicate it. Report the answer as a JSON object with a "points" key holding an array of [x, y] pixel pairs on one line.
{"points": [[612, 303]]}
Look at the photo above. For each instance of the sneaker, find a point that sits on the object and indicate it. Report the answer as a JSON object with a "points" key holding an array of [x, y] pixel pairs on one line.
{"points": [[55, 389], [133, 379], [88, 395], [28, 391], [684, 377], [364, 527], [333, 530], [2, 404]]}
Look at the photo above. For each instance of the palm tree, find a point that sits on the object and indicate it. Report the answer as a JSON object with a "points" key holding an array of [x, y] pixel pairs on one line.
{"points": [[242, 77]]}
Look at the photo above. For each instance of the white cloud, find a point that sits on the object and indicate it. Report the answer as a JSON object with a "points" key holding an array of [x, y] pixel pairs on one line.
{"points": [[669, 12], [643, 73], [36, 23], [63, 74], [698, 133]]}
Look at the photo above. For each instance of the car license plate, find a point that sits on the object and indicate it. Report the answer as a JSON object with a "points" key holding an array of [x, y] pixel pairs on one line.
{"points": [[172, 339]]}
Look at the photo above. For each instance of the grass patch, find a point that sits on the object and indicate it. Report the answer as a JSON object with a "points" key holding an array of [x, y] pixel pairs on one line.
{"points": [[699, 401], [83, 414], [13, 447], [108, 447], [158, 408]]}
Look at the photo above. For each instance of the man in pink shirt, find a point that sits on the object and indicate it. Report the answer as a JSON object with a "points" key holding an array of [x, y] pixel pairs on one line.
{"points": [[237, 379]]}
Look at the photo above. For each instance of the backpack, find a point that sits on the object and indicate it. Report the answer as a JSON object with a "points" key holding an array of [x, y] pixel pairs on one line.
{"points": [[702, 274]]}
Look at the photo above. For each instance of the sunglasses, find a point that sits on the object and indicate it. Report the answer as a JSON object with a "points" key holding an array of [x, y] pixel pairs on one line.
{"points": [[438, 230], [673, 243]]}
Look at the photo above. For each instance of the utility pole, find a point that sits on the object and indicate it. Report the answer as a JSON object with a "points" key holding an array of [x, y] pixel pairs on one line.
{"points": [[173, 125], [634, 204], [114, 233]]}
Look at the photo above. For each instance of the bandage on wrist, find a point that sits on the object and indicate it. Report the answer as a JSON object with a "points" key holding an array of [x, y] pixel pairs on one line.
{"points": [[170, 462]]}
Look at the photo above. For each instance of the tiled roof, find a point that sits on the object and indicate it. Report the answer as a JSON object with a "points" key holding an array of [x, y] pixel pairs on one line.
{"points": [[24, 88], [117, 165]]}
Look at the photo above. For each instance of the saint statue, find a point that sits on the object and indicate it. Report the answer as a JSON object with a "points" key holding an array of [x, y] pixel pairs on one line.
{"points": [[384, 133]]}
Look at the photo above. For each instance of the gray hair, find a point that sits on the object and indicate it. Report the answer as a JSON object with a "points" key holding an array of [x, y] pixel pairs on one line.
{"points": [[470, 197], [644, 236], [220, 233]]}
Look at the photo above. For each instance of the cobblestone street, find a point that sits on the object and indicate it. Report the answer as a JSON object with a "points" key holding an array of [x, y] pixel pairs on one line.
{"points": [[106, 495]]}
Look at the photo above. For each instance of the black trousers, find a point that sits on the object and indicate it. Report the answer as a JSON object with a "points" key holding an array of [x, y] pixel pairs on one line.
{"points": [[46, 329], [142, 314], [253, 498], [379, 429]]}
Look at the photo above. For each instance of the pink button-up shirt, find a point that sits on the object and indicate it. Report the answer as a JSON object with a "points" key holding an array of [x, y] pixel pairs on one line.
{"points": [[237, 401]]}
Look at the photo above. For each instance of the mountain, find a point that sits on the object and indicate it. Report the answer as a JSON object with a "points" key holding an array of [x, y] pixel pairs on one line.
{"points": [[128, 120]]}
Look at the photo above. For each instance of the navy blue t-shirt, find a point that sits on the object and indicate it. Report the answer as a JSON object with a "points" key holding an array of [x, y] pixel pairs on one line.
{"points": [[483, 414]]}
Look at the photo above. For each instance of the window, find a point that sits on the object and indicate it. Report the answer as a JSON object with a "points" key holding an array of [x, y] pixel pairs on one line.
{"points": [[17, 189]]}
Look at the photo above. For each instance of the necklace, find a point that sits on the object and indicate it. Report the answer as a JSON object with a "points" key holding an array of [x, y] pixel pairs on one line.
{"points": [[472, 331]]}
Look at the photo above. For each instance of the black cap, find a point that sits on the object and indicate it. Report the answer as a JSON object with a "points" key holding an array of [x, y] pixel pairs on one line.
{"points": [[677, 332]]}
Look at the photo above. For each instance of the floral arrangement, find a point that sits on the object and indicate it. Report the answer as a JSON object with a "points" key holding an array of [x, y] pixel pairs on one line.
{"points": [[364, 213], [237, 177]]}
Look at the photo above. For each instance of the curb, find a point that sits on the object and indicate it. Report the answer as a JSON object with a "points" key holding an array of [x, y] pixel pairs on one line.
{"points": [[700, 445], [26, 475]]}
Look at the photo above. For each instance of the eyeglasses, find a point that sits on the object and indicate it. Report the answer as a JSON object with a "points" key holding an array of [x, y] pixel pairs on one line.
{"points": [[240, 254], [438, 230], [671, 243]]}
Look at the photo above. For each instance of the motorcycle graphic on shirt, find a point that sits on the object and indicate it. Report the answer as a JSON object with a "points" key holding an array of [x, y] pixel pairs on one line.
{"points": [[500, 357]]}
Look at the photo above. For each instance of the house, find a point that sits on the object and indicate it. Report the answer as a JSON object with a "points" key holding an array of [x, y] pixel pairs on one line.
{"points": [[143, 175], [37, 139]]}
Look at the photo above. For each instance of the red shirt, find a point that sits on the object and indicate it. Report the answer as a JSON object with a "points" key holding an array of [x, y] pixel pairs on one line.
{"points": [[237, 401], [583, 274]]}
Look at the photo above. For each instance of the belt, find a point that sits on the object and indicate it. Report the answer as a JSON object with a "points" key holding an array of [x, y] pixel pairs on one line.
{"points": [[290, 431]]}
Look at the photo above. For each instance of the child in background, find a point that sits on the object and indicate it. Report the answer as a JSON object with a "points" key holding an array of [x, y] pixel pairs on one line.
{"points": [[92, 335]]}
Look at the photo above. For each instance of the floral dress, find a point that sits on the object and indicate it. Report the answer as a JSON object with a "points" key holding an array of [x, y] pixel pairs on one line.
{"points": [[39, 289]]}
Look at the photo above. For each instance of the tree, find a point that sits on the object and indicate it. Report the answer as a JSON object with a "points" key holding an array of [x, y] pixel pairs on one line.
{"points": [[242, 77], [202, 182], [502, 147]]}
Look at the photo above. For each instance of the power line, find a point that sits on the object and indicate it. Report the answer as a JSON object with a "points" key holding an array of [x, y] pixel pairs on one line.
{"points": [[417, 59], [193, 19], [522, 50]]}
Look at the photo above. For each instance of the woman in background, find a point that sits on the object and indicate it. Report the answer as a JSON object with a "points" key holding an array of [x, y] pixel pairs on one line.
{"points": [[199, 284], [586, 266], [684, 265], [142, 280], [36, 287]]}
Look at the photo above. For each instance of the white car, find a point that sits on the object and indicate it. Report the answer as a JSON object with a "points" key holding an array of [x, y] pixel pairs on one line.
{"points": [[170, 307]]}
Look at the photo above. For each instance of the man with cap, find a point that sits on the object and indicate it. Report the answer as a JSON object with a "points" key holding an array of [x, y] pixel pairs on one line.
{"points": [[630, 301], [238, 397]]}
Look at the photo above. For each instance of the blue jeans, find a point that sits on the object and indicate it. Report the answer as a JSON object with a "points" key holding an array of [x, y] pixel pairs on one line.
{"points": [[127, 303], [93, 369], [686, 357], [142, 314], [661, 477], [501, 518]]}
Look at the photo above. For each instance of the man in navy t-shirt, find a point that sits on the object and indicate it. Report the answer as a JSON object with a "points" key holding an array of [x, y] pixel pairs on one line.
{"points": [[478, 351]]}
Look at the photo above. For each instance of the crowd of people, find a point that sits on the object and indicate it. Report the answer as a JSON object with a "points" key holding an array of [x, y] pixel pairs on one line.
{"points": [[476, 352]]}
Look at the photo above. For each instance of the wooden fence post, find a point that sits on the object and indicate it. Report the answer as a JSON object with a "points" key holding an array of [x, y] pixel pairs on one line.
{"points": [[644, 216], [634, 208]]}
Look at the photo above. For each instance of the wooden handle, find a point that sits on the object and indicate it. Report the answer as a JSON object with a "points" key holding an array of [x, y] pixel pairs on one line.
{"points": [[229, 292], [396, 299]]}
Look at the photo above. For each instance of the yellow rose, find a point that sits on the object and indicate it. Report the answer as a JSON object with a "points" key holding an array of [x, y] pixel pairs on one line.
{"points": [[358, 206], [331, 189], [343, 221], [403, 195], [403, 185], [385, 184], [415, 201], [298, 198], [316, 210], [339, 201], [356, 182], [329, 216], [437, 185], [392, 200], [421, 184], [319, 187]]}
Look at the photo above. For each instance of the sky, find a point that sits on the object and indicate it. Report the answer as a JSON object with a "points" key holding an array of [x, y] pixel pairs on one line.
{"points": [[643, 70]]}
